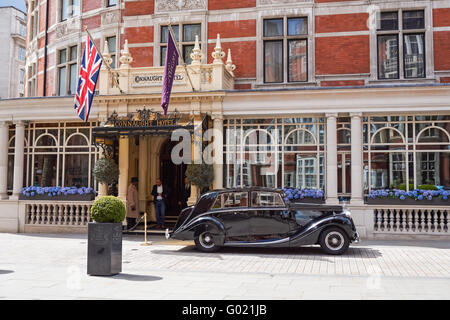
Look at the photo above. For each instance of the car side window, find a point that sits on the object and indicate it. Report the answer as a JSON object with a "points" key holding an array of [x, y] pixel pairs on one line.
{"points": [[266, 199], [231, 200]]}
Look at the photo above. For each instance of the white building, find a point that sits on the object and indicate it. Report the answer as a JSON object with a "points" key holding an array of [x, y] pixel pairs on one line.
{"points": [[12, 52]]}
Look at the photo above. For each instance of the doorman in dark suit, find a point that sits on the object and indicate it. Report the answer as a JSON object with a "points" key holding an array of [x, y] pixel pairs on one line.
{"points": [[160, 195], [184, 194]]}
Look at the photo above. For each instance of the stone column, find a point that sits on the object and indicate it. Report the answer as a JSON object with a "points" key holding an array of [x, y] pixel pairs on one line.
{"points": [[124, 144], [197, 155], [331, 177], [4, 135], [18, 159], [143, 172], [356, 159], [218, 152]]}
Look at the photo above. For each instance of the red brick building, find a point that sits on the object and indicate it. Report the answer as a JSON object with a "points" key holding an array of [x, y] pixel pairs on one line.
{"points": [[344, 43]]}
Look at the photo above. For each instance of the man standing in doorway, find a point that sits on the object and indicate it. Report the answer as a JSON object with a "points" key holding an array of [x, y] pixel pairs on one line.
{"points": [[132, 203], [185, 194], [160, 193]]}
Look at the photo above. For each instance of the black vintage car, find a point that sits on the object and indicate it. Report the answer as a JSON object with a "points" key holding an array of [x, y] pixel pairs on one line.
{"points": [[260, 217]]}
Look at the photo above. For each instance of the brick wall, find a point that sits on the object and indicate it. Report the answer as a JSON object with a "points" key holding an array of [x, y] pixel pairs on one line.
{"points": [[441, 50], [441, 17], [341, 22], [137, 8], [342, 55], [243, 54], [230, 4], [139, 34], [232, 29]]}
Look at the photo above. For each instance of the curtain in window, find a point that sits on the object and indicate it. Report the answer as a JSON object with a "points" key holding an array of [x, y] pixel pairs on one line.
{"points": [[273, 61]]}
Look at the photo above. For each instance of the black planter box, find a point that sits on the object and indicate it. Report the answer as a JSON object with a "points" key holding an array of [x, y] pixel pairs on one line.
{"points": [[69, 197], [408, 202], [308, 200], [104, 249]]}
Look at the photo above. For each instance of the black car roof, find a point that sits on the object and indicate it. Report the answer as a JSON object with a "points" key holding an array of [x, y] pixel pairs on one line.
{"points": [[245, 189]]}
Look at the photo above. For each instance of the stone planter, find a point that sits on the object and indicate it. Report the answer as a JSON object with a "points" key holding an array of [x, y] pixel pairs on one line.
{"points": [[104, 249], [69, 197], [408, 202]]}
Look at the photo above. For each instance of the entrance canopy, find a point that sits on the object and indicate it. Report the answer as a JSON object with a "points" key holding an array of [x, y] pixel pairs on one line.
{"points": [[144, 122]]}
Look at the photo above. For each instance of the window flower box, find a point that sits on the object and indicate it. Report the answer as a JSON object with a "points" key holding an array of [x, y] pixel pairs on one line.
{"points": [[57, 194], [294, 195], [413, 197]]}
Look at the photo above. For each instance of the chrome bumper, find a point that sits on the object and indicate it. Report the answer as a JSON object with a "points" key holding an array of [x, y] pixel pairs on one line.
{"points": [[356, 238]]}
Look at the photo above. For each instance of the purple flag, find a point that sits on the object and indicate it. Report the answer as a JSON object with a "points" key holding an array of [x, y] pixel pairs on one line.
{"points": [[169, 72]]}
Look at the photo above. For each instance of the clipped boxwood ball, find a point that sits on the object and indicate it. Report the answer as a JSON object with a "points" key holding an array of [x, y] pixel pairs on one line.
{"points": [[108, 209]]}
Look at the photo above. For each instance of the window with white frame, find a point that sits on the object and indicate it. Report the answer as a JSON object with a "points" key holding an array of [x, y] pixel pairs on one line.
{"points": [[406, 151], [31, 82], [56, 154], [69, 9], [401, 35], [112, 47], [21, 53], [111, 3], [280, 152], [285, 49], [34, 19], [21, 76], [187, 34], [67, 71]]}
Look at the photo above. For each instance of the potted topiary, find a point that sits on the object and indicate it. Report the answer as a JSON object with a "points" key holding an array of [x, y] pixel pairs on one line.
{"points": [[105, 237], [106, 171], [200, 175]]}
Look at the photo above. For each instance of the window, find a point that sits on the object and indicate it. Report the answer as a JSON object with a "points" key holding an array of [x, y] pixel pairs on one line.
{"points": [[275, 152], [67, 71], [34, 18], [266, 199], [21, 76], [406, 152], [21, 54], [405, 40], [285, 50], [22, 29], [231, 200], [69, 9], [111, 3], [187, 33], [112, 50], [32, 71]]}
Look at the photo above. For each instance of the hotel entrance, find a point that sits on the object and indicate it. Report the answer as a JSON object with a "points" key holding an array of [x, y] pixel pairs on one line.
{"points": [[172, 176]]}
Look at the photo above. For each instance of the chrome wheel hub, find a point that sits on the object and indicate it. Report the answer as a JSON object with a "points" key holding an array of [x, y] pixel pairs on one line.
{"points": [[206, 240], [334, 240]]}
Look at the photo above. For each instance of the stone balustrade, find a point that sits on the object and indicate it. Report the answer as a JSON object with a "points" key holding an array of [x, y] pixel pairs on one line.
{"points": [[413, 221]]}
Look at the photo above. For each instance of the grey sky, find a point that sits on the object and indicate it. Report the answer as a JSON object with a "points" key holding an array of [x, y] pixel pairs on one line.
{"points": [[19, 4]]}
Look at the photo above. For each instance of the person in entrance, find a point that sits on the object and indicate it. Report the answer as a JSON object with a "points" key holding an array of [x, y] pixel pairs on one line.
{"points": [[160, 193], [184, 194], [132, 202]]}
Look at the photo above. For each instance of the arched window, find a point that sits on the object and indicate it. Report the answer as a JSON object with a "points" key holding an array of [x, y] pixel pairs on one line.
{"points": [[388, 135]]}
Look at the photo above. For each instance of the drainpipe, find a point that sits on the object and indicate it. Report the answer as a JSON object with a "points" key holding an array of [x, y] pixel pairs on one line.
{"points": [[45, 51]]}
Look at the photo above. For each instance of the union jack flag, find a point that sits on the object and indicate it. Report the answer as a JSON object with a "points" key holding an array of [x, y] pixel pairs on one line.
{"points": [[87, 80]]}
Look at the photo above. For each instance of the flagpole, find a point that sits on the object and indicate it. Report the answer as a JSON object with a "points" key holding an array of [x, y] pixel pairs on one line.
{"points": [[181, 56], [104, 61]]}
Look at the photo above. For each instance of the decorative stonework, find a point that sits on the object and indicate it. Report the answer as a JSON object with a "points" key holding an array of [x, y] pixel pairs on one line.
{"points": [[178, 5], [110, 17], [68, 27]]}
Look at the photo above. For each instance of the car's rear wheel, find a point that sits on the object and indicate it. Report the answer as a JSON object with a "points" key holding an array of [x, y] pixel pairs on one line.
{"points": [[205, 242], [334, 241]]}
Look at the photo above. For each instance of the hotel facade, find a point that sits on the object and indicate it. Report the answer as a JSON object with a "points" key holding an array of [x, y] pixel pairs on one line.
{"points": [[341, 96]]}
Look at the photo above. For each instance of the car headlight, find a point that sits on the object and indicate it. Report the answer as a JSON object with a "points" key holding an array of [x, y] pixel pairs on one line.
{"points": [[347, 213]]}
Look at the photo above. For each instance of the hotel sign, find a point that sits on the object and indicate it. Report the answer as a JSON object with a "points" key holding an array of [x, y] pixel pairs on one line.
{"points": [[145, 118], [154, 79]]}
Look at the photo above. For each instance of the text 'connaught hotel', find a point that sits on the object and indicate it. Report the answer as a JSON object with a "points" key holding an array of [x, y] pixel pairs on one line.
{"points": [[347, 96]]}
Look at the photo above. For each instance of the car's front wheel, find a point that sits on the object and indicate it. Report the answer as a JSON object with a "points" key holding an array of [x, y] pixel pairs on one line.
{"points": [[334, 241], [205, 242]]}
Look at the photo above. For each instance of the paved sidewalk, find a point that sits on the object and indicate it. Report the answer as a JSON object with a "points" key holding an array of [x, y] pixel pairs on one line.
{"points": [[36, 266]]}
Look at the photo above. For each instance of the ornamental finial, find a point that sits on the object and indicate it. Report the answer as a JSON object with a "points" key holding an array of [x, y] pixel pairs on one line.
{"points": [[230, 66], [196, 54], [125, 59], [218, 53]]}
